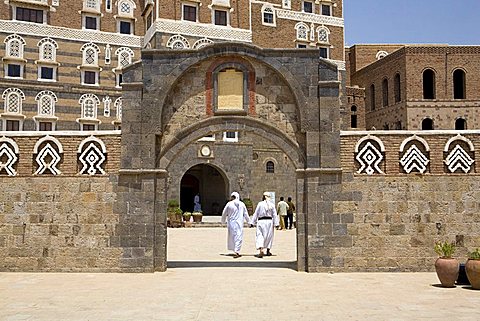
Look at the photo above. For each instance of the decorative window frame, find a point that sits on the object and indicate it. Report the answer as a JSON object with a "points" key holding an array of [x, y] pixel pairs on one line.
{"points": [[118, 53], [271, 10], [267, 161], [328, 4], [326, 31], [457, 158], [381, 54], [302, 26], [286, 4], [220, 8], [92, 155], [132, 25], [118, 104], [40, 117], [328, 51], [313, 6], [178, 39], [202, 43], [9, 148], [85, 119], [30, 4], [86, 66], [18, 59], [44, 61], [7, 115], [370, 165], [90, 15], [96, 9], [129, 15], [415, 157], [108, 6]]}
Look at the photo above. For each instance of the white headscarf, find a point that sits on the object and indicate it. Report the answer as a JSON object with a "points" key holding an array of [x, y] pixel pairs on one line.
{"points": [[268, 201], [236, 201]]}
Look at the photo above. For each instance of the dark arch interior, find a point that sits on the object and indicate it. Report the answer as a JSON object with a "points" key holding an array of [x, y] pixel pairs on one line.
{"points": [[427, 124], [459, 84], [460, 124], [428, 84]]}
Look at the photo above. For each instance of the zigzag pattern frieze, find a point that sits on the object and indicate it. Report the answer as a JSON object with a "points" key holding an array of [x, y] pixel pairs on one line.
{"points": [[25, 28], [203, 30], [309, 17]]}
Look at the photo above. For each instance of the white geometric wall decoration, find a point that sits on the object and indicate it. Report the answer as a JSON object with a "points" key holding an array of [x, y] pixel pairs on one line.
{"points": [[369, 157], [459, 159], [92, 156], [414, 159], [8, 156], [49, 156]]}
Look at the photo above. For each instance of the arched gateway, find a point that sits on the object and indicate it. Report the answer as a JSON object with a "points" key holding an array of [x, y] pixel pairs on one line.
{"points": [[224, 112]]}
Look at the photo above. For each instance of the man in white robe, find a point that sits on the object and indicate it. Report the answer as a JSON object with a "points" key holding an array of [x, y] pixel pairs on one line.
{"points": [[234, 213], [266, 218]]}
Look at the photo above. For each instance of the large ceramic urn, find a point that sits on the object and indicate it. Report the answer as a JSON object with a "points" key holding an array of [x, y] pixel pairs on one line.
{"points": [[447, 271], [473, 273]]}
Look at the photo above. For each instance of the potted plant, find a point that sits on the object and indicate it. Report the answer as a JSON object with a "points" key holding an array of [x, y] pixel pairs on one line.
{"points": [[174, 213], [446, 266], [249, 205], [187, 216], [473, 268], [197, 217]]}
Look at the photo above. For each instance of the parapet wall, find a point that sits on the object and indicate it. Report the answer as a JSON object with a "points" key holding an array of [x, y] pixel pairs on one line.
{"points": [[401, 192]]}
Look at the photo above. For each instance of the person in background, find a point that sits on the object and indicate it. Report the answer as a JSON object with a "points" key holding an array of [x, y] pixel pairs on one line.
{"points": [[282, 208], [290, 211]]}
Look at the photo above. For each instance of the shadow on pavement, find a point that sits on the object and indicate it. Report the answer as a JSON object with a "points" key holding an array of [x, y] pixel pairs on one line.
{"points": [[292, 265]]}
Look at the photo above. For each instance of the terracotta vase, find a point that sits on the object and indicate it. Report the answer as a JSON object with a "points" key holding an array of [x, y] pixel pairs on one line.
{"points": [[473, 273], [447, 271]]}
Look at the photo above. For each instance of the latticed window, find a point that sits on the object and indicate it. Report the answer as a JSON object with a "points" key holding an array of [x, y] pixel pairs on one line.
{"points": [[14, 48], [125, 7], [93, 4], [302, 32], [270, 167], [90, 56], [125, 59], [48, 52], [268, 16], [13, 104], [323, 35], [89, 109], [46, 103]]}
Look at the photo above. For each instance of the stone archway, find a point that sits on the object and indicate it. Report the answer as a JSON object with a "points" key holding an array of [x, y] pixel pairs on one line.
{"points": [[209, 183]]}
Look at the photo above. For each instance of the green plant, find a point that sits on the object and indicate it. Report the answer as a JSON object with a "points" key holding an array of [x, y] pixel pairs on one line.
{"points": [[187, 214], [475, 255], [445, 249], [178, 210], [248, 202], [197, 214], [173, 203]]}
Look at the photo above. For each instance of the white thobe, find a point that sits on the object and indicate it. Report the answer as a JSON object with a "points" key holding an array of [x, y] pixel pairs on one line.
{"points": [[265, 227], [234, 213]]}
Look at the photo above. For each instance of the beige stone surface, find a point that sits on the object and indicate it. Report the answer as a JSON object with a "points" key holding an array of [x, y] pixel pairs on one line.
{"points": [[209, 285]]}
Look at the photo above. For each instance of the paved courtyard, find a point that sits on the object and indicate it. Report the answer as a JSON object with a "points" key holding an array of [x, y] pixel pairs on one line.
{"points": [[204, 283]]}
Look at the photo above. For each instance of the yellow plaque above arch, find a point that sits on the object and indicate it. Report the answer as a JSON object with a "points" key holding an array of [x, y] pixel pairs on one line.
{"points": [[230, 90]]}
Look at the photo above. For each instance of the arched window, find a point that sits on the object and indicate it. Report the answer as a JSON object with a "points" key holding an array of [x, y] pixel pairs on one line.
{"points": [[46, 103], [372, 97], [270, 167], [47, 50], [397, 90], [381, 54], [89, 103], [13, 98], [427, 124], [90, 53], [178, 42], [385, 92], [353, 117], [459, 84], [126, 8], [14, 45], [323, 34], [118, 108], [125, 57], [429, 84], [302, 31], [268, 15], [460, 124]]}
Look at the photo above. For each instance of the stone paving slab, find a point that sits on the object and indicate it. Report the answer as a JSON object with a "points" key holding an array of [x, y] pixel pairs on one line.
{"points": [[214, 286]]}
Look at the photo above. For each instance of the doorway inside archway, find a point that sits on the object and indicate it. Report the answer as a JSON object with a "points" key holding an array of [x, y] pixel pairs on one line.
{"points": [[209, 184]]}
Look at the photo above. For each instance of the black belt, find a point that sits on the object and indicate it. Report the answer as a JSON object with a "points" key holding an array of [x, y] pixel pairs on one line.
{"points": [[264, 218]]}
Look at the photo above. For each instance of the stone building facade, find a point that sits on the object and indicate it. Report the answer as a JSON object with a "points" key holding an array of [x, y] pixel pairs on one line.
{"points": [[417, 86]]}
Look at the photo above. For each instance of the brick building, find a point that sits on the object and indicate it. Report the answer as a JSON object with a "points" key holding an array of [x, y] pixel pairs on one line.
{"points": [[415, 87]]}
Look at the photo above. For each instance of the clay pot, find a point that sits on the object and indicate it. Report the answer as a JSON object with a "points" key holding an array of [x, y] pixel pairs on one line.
{"points": [[473, 273], [447, 271]]}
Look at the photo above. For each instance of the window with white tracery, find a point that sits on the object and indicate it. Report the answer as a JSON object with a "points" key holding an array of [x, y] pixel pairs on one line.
{"points": [[268, 15], [92, 4], [125, 57], [13, 98], [14, 46], [90, 54], [125, 8], [302, 31], [323, 35], [89, 104], [118, 108], [46, 103], [286, 4], [47, 49]]}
